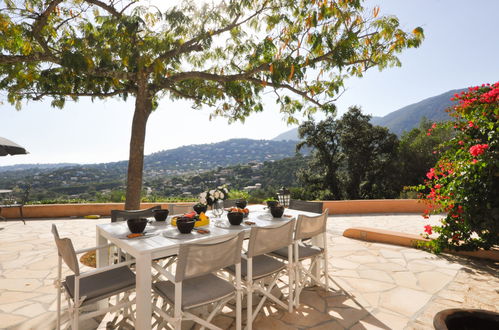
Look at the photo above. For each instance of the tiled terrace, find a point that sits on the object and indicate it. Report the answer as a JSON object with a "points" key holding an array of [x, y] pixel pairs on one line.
{"points": [[378, 286]]}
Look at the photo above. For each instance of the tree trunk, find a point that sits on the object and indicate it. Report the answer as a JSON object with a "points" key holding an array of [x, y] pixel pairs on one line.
{"points": [[143, 107]]}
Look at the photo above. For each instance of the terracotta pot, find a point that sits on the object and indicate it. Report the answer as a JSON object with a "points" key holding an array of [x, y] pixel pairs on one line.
{"points": [[465, 319]]}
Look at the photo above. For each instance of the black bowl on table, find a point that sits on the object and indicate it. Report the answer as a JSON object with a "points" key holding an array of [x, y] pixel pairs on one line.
{"points": [[185, 225], [277, 211], [235, 218], [200, 208], [161, 215], [241, 203], [136, 225], [271, 204]]}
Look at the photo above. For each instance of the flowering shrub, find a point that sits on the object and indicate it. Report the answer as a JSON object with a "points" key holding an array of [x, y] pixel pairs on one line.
{"points": [[464, 183], [211, 196]]}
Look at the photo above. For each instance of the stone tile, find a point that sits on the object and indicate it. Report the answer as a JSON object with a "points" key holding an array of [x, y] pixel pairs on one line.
{"points": [[433, 281], [271, 323], [348, 316], [391, 254], [419, 266], [376, 275], [386, 320], [305, 317], [404, 301], [331, 325], [20, 284], [406, 279], [343, 264], [365, 285], [8, 320], [13, 296], [312, 299], [386, 266], [30, 310]]}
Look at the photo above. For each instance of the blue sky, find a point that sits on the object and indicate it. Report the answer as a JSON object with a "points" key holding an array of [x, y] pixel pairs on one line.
{"points": [[460, 50]]}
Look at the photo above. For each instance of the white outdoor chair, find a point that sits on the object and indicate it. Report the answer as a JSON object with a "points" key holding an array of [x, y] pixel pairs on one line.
{"points": [[307, 228], [256, 267], [84, 288], [194, 283], [179, 209]]}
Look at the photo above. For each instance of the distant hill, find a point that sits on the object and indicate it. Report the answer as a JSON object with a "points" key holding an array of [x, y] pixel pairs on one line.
{"points": [[291, 135], [75, 180], [20, 167], [404, 119]]}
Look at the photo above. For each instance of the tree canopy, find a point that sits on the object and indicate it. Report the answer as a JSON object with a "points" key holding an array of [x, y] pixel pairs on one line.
{"points": [[351, 158], [223, 55]]}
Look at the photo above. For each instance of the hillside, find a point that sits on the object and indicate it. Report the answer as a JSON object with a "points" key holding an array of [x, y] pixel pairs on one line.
{"points": [[404, 119], [409, 116], [79, 181]]}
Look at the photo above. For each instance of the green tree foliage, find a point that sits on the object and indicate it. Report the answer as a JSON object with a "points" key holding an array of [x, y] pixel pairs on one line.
{"points": [[464, 182], [418, 150], [352, 159], [223, 55]]}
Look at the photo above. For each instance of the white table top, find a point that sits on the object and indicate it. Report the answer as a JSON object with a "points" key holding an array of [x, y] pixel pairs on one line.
{"points": [[158, 245]]}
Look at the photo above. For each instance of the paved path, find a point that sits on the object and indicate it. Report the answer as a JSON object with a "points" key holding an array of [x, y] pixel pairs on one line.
{"points": [[378, 286]]}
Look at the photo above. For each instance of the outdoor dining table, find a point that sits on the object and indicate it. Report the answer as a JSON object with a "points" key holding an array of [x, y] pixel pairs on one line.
{"points": [[162, 240]]}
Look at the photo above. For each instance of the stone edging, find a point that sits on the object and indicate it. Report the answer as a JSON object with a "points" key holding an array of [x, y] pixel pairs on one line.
{"points": [[410, 240]]}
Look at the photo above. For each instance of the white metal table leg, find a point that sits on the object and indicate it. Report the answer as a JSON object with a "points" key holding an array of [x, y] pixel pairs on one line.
{"points": [[143, 296]]}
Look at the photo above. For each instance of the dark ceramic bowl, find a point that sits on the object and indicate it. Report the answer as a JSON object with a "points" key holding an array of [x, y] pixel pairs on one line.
{"points": [[241, 203], [277, 211], [137, 225], [235, 218], [272, 203], [199, 208], [185, 225], [161, 215]]}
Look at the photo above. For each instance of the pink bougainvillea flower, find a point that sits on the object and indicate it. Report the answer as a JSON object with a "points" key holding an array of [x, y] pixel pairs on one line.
{"points": [[478, 149], [428, 229], [461, 142], [474, 161], [431, 174]]}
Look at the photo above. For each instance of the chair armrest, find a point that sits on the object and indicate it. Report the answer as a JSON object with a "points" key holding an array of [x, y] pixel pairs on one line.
{"points": [[93, 248], [105, 269]]}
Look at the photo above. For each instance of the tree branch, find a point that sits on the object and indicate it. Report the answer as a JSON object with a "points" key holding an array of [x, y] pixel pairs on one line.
{"points": [[109, 8]]}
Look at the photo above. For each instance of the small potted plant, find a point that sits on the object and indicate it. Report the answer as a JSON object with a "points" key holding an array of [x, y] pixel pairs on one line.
{"points": [[235, 216], [271, 202], [277, 211], [200, 208]]}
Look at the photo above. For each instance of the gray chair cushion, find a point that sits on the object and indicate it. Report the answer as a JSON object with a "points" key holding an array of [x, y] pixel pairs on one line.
{"points": [[102, 285], [262, 266], [196, 291], [304, 252]]}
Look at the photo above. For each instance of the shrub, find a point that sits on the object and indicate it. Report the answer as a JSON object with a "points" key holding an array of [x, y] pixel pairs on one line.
{"points": [[464, 183]]}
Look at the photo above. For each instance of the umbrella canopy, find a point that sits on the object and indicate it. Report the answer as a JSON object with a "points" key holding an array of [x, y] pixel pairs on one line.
{"points": [[7, 147]]}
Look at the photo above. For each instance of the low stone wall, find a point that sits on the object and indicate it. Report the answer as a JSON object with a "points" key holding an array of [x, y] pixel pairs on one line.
{"points": [[104, 209], [72, 210], [409, 240], [375, 206]]}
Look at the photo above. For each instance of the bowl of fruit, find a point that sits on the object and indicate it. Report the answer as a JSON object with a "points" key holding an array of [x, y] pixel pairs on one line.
{"points": [[244, 211]]}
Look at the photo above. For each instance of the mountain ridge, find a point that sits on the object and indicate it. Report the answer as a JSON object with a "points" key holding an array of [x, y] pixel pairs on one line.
{"points": [[403, 119]]}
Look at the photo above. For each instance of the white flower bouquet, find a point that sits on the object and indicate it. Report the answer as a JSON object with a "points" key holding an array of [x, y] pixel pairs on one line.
{"points": [[211, 196]]}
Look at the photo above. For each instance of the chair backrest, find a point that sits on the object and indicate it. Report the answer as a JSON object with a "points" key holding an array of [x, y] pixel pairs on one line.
{"points": [[230, 202], [122, 215], [296, 204], [179, 209], [307, 227], [200, 259], [264, 240], [66, 250]]}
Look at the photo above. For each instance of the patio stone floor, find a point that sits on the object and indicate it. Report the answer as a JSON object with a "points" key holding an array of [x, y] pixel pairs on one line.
{"points": [[376, 286]]}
